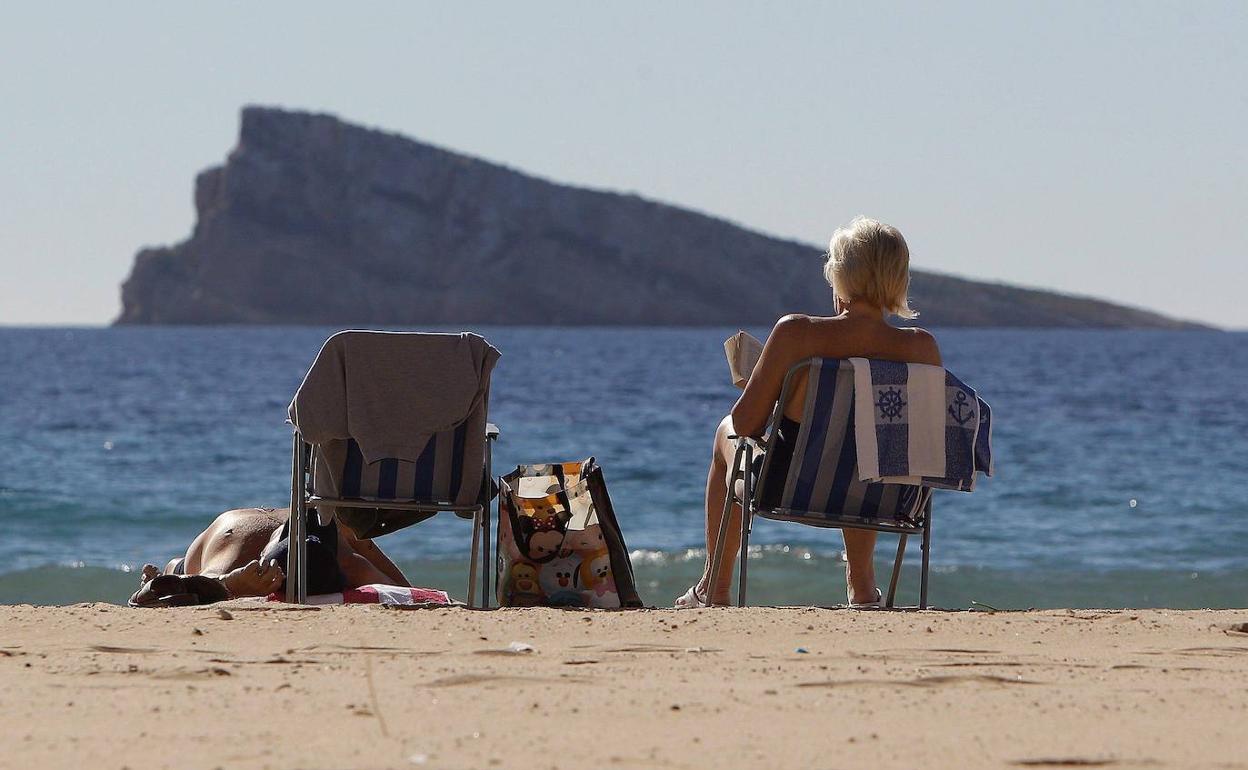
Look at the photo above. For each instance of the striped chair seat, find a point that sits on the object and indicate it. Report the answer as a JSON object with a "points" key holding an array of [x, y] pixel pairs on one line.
{"points": [[436, 478], [822, 487]]}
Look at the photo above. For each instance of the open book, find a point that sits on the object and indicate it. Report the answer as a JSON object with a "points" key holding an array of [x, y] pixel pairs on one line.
{"points": [[743, 350]]}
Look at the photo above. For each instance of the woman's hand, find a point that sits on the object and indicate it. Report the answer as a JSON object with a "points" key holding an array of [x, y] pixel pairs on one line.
{"points": [[254, 579]]}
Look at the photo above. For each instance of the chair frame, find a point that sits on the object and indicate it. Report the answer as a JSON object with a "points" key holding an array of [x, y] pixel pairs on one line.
{"points": [[302, 499], [750, 501]]}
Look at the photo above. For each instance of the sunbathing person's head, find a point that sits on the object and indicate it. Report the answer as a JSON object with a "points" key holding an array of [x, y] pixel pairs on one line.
{"points": [[869, 262]]}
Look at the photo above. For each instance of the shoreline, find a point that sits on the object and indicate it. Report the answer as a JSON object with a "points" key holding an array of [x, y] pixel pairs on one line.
{"points": [[804, 577], [246, 684]]}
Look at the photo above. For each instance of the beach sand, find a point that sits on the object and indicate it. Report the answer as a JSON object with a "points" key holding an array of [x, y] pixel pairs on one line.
{"points": [[259, 686]]}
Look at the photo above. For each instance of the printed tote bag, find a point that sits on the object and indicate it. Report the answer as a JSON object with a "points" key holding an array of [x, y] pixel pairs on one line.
{"points": [[559, 544]]}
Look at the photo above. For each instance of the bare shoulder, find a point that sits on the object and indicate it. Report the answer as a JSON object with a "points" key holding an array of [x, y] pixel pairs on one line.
{"points": [[923, 346], [793, 321], [790, 331]]}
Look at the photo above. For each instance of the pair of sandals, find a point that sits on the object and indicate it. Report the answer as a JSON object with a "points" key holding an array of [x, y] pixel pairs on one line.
{"points": [[691, 599], [179, 591]]}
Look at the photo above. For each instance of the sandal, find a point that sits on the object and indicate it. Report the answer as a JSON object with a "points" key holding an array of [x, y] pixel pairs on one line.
{"points": [[874, 604], [690, 600]]}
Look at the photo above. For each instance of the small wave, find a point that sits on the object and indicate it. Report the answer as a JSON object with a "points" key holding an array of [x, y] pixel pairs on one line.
{"points": [[778, 552]]}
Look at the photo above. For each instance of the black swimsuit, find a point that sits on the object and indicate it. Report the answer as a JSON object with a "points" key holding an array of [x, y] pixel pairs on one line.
{"points": [[324, 575]]}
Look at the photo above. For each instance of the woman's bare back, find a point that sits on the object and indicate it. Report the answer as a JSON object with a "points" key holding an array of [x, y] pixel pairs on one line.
{"points": [[846, 337]]}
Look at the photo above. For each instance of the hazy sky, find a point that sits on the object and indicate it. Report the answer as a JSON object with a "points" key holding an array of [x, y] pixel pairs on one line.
{"points": [[1098, 148]]}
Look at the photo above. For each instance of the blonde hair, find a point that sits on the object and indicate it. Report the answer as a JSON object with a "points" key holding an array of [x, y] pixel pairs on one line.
{"points": [[869, 261]]}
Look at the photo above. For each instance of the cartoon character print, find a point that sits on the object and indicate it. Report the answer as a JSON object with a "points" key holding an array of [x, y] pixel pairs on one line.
{"points": [[588, 540], [559, 575], [559, 582], [523, 586], [541, 530], [595, 574], [543, 545]]}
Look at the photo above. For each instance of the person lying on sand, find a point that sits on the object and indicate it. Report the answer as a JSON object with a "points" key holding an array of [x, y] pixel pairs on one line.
{"points": [[243, 553], [868, 268]]}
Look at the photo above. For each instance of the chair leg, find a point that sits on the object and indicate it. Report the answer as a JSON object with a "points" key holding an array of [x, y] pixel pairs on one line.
{"points": [[486, 564], [472, 564], [892, 583], [296, 553], [747, 513], [487, 569], [721, 540], [927, 548]]}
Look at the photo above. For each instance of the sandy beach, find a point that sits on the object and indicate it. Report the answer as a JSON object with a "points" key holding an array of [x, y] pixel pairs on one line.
{"points": [[245, 685]]}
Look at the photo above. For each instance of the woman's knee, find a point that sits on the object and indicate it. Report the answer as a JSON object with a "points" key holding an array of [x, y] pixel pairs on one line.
{"points": [[723, 445]]}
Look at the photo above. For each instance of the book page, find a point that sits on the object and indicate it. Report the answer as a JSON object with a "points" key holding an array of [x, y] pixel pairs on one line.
{"points": [[743, 350]]}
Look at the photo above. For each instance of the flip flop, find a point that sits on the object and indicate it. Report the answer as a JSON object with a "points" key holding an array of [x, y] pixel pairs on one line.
{"points": [[208, 590], [151, 592], [178, 591], [173, 600]]}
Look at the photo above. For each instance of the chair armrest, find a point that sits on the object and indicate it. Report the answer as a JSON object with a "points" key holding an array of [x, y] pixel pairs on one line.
{"points": [[739, 440], [491, 431]]}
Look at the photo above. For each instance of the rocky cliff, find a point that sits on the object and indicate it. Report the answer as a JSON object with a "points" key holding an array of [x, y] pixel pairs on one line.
{"points": [[315, 221]]}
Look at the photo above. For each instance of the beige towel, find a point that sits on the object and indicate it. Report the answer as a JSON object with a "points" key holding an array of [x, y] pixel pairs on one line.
{"points": [[391, 391]]}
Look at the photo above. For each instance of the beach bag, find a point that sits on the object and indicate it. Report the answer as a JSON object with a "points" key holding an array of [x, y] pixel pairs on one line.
{"points": [[559, 544]]}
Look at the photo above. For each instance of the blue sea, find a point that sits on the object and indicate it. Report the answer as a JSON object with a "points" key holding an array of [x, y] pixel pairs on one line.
{"points": [[1122, 460]]}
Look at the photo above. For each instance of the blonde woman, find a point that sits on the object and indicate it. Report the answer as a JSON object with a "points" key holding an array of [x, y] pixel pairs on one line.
{"points": [[868, 268]]}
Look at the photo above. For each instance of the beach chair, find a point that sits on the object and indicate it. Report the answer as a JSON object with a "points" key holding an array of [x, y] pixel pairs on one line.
{"points": [[822, 488], [452, 473]]}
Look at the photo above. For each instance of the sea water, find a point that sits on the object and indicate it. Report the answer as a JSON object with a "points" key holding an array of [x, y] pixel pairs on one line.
{"points": [[1122, 460]]}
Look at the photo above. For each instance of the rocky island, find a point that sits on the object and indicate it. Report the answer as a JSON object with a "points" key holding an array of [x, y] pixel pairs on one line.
{"points": [[312, 220]]}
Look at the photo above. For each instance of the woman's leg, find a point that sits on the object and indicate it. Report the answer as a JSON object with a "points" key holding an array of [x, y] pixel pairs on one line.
{"points": [[716, 492], [860, 564]]}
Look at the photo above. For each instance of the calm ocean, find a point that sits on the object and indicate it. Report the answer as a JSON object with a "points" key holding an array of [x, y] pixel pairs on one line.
{"points": [[1122, 459]]}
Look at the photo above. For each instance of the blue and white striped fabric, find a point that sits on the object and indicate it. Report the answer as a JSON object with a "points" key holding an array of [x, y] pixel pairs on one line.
{"points": [[822, 486], [919, 424], [436, 476], [447, 471]]}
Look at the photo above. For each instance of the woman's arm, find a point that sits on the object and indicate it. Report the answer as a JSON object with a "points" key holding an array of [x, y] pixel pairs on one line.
{"points": [[783, 348], [371, 553]]}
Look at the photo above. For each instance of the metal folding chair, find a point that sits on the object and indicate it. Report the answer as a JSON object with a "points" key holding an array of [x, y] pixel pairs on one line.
{"points": [[821, 486], [385, 495]]}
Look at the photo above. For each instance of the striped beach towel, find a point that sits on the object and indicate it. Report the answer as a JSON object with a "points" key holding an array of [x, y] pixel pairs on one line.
{"points": [[919, 424]]}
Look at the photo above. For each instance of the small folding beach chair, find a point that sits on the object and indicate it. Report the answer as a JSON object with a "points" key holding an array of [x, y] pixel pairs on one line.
{"points": [[451, 471], [822, 487]]}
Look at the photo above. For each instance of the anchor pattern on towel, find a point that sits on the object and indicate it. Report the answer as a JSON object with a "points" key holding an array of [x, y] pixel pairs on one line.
{"points": [[891, 404], [961, 410]]}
